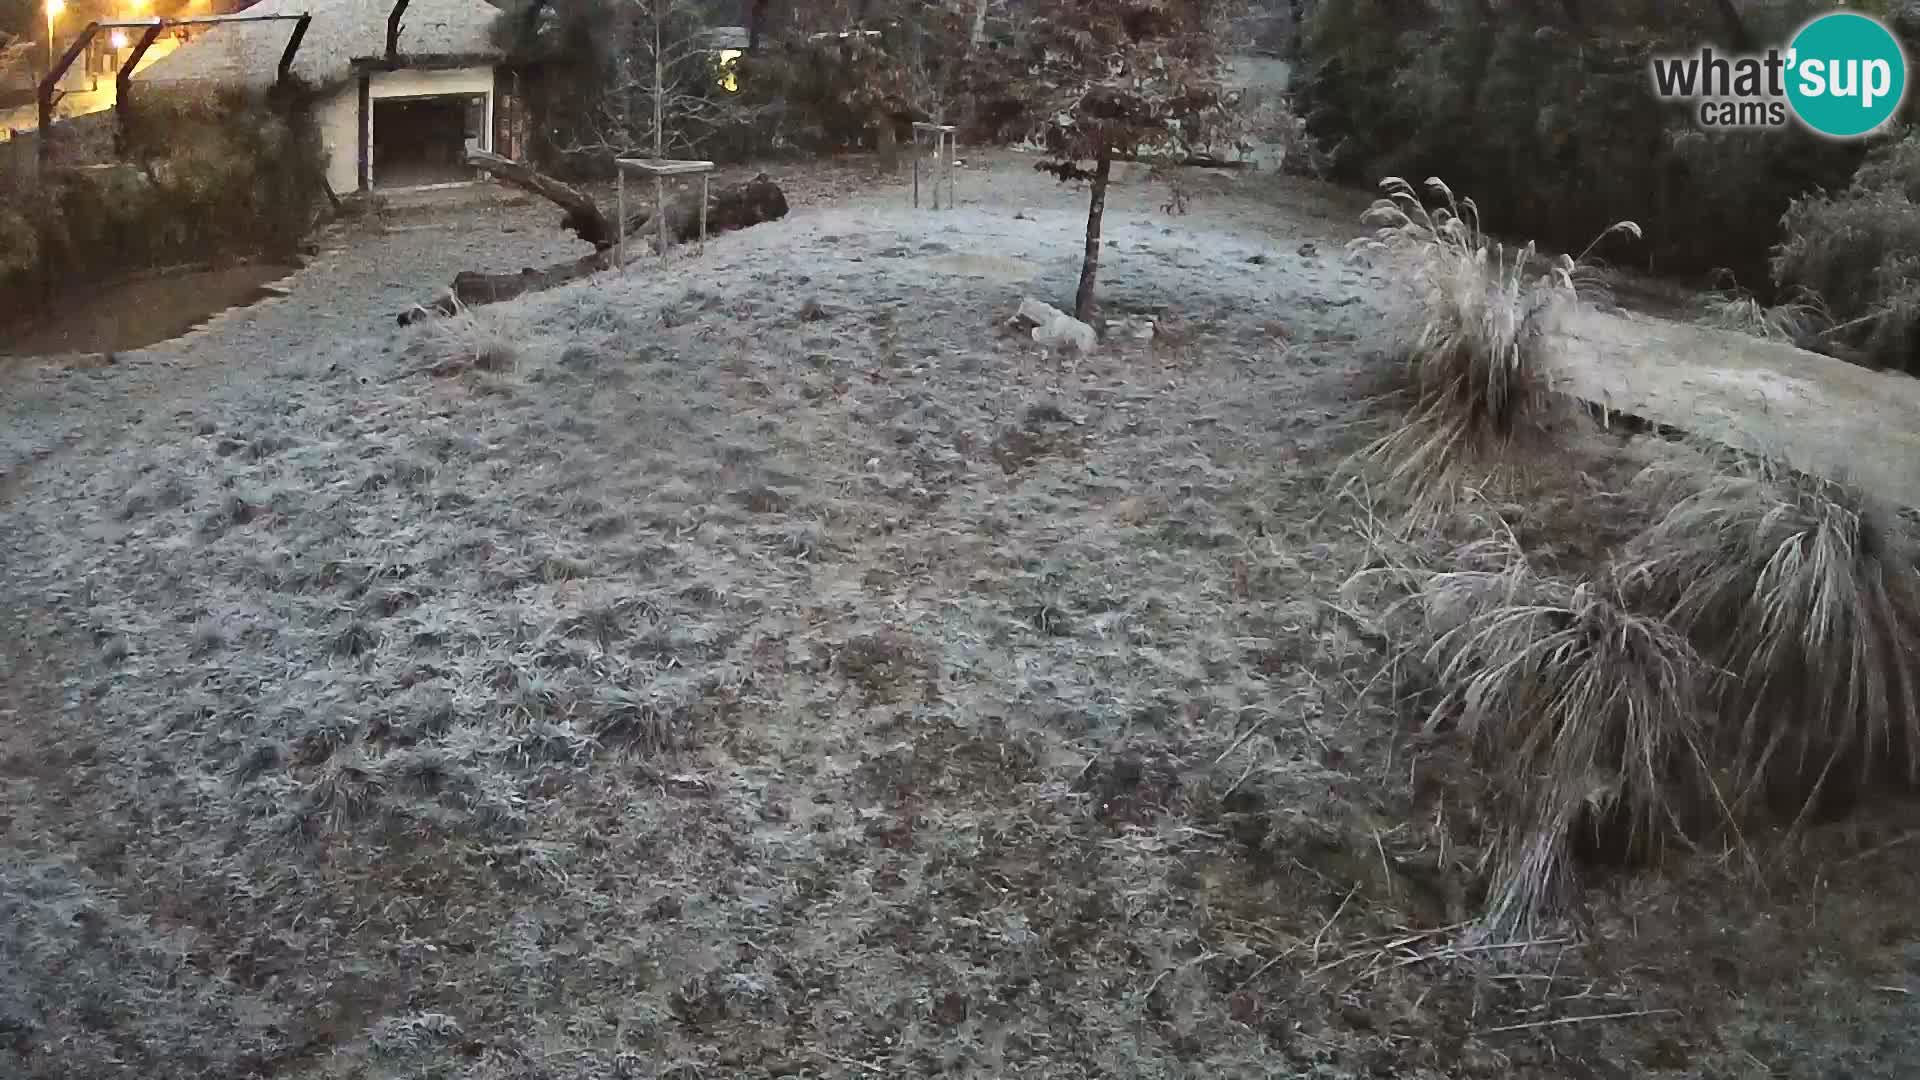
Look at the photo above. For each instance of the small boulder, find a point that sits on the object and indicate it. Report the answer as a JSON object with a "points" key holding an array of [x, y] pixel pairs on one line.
{"points": [[1054, 329]]}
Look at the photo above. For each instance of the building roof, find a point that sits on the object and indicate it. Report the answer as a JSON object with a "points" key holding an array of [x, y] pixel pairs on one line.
{"points": [[342, 32], [727, 37]]}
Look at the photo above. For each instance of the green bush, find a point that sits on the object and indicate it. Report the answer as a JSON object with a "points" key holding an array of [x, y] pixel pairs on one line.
{"points": [[1859, 250], [203, 177], [1550, 120]]}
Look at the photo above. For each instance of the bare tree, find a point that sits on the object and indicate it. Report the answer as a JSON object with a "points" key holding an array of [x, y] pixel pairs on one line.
{"points": [[659, 88]]}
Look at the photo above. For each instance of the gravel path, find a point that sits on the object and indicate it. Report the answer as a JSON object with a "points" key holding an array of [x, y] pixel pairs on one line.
{"points": [[342, 302]]}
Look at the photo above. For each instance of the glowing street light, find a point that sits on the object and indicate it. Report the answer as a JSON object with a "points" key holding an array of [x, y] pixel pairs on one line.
{"points": [[119, 40], [54, 8]]}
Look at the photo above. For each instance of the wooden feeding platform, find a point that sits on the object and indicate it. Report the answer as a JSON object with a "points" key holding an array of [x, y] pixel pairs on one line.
{"points": [[660, 169], [943, 151]]}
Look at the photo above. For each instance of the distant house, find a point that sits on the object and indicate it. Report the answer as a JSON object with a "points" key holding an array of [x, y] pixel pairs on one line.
{"points": [[404, 122]]}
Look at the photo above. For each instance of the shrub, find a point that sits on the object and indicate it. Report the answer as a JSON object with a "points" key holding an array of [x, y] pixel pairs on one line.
{"points": [[1579, 709], [1807, 601], [206, 176], [1270, 118], [469, 338], [1550, 120], [1859, 249], [1796, 321], [1474, 335]]}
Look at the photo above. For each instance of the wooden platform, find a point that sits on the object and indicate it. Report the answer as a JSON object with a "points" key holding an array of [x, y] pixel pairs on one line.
{"points": [[666, 168], [659, 169]]}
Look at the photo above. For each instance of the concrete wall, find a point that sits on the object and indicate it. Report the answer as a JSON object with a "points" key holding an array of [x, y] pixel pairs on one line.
{"points": [[339, 113], [463, 81], [338, 117]]}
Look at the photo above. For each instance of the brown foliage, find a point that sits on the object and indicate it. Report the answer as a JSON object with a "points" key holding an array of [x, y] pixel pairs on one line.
{"points": [[1121, 78], [1125, 77]]}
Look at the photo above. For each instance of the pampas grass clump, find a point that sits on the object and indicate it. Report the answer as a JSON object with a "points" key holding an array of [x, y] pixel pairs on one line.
{"points": [[1475, 336], [1807, 600], [1580, 709]]}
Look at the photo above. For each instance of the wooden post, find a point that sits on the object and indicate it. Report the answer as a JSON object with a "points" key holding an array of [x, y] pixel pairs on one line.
{"points": [[706, 190], [660, 213], [43, 94], [943, 163], [293, 46], [393, 29], [123, 88], [620, 223]]}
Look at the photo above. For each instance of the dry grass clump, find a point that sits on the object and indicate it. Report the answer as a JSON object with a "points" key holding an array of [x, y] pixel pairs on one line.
{"points": [[1581, 709], [1750, 655], [468, 339], [1738, 310], [1475, 336], [1808, 601]]}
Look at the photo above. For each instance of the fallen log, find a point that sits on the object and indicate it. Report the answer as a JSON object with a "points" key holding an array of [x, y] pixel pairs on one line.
{"points": [[1190, 161], [736, 206], [729, 208], [583, 217], [471, 288]]}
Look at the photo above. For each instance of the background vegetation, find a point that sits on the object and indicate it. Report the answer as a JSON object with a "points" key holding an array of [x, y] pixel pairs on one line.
{"points": [[1542, 113], [203, 177]]}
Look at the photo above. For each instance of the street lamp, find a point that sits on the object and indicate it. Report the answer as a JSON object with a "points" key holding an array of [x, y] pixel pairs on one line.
{"points": [[54, 8]]}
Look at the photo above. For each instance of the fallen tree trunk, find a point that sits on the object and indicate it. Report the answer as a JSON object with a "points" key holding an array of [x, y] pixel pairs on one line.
{"points": [[736, 206], [733, 207], [583, 216], [1191, 161]]}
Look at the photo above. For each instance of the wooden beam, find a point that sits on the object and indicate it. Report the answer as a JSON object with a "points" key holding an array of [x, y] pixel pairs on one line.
{"points": [[393, 29], [150, 29], [363, 134], [293, 46], [123, 87], [43, 94], [666, 168]]}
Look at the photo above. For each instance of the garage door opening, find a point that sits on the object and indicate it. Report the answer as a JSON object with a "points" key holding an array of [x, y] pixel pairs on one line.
{"points": [[421, 141]]}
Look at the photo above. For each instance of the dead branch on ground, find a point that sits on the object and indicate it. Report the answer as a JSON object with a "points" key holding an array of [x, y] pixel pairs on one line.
{"points": [[735, 206]]}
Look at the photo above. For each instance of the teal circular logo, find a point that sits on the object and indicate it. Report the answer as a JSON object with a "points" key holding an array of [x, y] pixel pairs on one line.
{"points": [[1846, 75]]}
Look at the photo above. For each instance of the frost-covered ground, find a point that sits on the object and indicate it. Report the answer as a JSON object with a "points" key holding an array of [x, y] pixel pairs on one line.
{"points": [[769, 665]]}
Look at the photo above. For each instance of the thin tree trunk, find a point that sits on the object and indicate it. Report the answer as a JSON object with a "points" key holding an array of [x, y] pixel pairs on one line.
{"points": [[1736, 26], [659, 86], [979, 24], [756, 22], [886, 141], [1090, 269]]}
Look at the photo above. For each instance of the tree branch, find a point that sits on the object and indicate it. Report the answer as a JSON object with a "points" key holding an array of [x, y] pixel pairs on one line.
{"points": [[583, 216]]}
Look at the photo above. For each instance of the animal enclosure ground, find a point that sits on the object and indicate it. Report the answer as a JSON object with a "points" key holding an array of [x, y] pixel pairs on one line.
{"points": [[769, 664]]}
